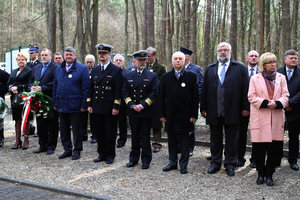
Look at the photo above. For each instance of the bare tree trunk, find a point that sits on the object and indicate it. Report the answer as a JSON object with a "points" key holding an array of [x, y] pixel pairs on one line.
{"points": [[259, 26], [11, 22], [295, 25], [126, 33], [170, 33], [163, 30], [233, 29], [94, 32], [242, 46], [223, 32], [151, 23], [61, 25], [187, 23], [286, 33], [137, 39], [52, 26], [194, 33], [146, 25], [80, 38], [87, 34], [178, 22], [207, 33], [268, 30]]}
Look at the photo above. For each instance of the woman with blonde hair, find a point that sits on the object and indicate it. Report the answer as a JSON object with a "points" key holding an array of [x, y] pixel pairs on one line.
{"points": [[18, 82], [268, 96]]}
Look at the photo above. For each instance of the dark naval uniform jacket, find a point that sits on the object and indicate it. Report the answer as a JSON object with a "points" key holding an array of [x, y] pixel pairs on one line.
{"points": [[140, 90], [105, 89], [32, 65], [178, 101], [198, 71]]}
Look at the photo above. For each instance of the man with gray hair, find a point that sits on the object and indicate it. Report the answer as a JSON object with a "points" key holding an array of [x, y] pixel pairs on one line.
{"points": [[47, 127], [159, 69], [292, 112], [224, 97], [90, 63], [70, 91], [178, 109]]}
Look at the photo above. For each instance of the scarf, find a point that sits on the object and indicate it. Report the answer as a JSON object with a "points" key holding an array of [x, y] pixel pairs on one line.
{"points": [[269, 79]]}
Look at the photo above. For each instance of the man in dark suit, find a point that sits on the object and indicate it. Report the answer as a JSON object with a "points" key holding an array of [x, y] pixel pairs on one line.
{"points": [[198, 70], [178, 109], [104, 101], [122, 116], [90, 63], [292, 112], [252, 60], [47, 127], [4, 76], [159, 69], [70, 90], [139, 91], [223, 98]]}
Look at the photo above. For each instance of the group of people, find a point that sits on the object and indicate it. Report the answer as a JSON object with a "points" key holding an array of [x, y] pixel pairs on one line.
{"points": [[230, 95]]}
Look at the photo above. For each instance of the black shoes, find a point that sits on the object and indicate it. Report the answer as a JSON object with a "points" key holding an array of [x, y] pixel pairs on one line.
{"points": [[183, 170], [36, 135], [253, 164], [76, 156], [49, 152], [93, 141], [190, 154], [99, 159], [294, 166], [145, 166], [130, 164], [240, 163], [109, 161], [208, 158], [169, 168], [84, 138], [65, 155], [230, 172], [260, 180], [213, 170], [120, 145], [16, 146], [1, 142], [270, 181], [40, 150]]}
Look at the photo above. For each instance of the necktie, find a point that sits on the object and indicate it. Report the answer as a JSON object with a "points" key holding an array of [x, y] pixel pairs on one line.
{"points": [[289, 74], [43, 70], [251, 73], [223, 73], [67, 67], [139, 73], [177, 75], [102, 68]]}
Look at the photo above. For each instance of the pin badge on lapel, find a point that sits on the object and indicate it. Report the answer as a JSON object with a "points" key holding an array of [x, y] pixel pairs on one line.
{"points": [[70, 76], [182, 84], [277, 82]]}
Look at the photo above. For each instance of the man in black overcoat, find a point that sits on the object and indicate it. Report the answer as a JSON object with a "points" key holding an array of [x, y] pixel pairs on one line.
{"points": [[224, 97], [178, 109], [292, 112], [47, 127], [104, 101], [4, 76]]}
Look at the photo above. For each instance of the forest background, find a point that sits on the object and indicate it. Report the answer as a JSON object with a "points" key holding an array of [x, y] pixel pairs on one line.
{"points": [[131, 25]]}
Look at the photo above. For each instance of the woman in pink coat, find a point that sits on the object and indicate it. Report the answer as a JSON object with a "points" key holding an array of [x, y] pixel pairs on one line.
{"points": [[268, 96]]}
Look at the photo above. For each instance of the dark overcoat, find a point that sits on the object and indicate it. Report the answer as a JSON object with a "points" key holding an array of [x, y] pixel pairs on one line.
{"points": [[178, 101], [236, 85]]}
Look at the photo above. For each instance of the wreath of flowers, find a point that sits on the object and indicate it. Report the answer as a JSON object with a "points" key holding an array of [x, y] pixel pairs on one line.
{"points": [[3, 108], [40, 103]]}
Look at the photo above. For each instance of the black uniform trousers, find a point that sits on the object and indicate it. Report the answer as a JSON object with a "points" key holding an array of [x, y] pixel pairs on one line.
{"points": [[216, 144], [273, 150], [48, 131], [184, 148], [122, 120], [294, 130], [140, 127], [85, 116], [75, 120], [1, 129], [242, 139], [106, 132]]}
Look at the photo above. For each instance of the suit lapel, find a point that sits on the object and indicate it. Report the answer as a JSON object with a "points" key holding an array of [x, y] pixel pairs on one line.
{"points": [[262, 85], [104, 73], [139, 79]]}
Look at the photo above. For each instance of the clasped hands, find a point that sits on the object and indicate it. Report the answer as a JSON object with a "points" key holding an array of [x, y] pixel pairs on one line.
{"points": [[272, 104]]}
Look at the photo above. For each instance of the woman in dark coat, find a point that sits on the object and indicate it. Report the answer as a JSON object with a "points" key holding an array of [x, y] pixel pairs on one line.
{"points": [[18, 82]]}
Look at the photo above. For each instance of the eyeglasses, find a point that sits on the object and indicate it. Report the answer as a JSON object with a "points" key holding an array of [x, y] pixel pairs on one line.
{"points": [[271, 62], [223, 50]]}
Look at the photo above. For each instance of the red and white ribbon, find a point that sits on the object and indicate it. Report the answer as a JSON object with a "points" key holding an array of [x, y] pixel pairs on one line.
{"points": [[26, 111]]}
